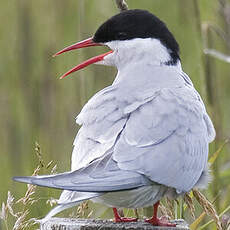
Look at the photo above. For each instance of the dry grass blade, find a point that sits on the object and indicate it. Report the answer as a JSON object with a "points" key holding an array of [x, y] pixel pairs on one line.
{"points": [[165, 211], [121, 212], [211, 221], [27, 198], [122, 5], [197, 221], [218, 30], [10, 203], [190, 205], [19, 224], [21, 217], [82, 209], [51, 201], [208, 207], [36, 171], [54, 170], [22, 222], [49, 164], [170, 204], [3, 214], [136, 213], [90, 214], [7, 209], [216, 154], [39, 154], [217, 54]]}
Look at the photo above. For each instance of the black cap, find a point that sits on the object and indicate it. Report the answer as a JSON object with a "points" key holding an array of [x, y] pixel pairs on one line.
{"points": [[137, 23]]}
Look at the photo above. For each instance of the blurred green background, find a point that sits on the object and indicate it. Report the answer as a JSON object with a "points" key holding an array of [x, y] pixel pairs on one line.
{"points": [[36, 106]]}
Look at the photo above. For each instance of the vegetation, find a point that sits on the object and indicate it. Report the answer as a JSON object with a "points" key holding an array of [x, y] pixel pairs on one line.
{"points": [[36, 106]]}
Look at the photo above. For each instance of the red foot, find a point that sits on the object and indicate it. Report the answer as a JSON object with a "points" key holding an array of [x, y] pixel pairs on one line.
{"points": [[119, 219], [160, 222], [124, 219]]}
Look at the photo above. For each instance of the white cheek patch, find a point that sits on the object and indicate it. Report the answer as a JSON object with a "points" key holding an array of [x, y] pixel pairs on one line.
{"points": [[147, 50]]}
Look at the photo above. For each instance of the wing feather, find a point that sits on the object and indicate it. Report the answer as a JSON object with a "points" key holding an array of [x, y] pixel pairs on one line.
{"points": [[102, 175], [166, 139], [102, 120]]}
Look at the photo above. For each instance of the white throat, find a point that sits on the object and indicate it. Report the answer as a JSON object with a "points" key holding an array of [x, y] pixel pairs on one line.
{"points": [[147, 51]]}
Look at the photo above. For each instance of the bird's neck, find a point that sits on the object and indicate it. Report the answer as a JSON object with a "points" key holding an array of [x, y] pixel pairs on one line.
{"points": [[147, 70]]}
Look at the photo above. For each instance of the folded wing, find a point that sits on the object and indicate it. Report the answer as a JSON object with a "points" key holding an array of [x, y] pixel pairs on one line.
{"points": [[166, 139], [102, 175]]}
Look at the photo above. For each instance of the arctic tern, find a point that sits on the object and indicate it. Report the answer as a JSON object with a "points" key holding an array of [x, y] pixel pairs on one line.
{"points": [[143, 137]]}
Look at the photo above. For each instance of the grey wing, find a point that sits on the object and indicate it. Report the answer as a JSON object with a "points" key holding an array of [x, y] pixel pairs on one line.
{"points": [[102, 120], [166, 139], [102, 175]]}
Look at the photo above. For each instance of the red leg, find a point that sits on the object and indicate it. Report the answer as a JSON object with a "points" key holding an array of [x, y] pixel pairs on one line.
{"points": [[118, 219], [157, 221]]}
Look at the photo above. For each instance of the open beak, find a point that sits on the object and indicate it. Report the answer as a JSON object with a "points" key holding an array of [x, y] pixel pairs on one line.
{"points": [[86, 43]]}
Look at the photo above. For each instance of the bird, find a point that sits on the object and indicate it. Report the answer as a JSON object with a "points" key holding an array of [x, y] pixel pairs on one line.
{"points": [[144, 137]]}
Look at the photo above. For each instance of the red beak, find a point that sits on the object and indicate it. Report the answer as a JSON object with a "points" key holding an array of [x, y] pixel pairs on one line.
{"points": [[86, 43]]}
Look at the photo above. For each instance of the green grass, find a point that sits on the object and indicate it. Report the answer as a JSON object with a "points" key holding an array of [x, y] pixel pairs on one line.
{"points": [[36, 106]]}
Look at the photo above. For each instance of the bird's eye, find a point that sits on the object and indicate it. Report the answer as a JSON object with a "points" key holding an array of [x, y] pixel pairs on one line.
{"points": [[121, 35]]}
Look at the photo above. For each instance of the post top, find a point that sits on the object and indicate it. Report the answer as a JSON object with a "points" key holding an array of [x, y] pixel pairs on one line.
{"points": [[92, 224]]}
